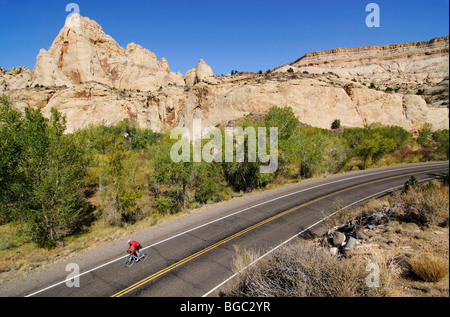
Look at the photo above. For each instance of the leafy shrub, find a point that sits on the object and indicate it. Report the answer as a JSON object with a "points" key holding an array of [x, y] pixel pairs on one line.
{"points": [[399, 135], [425, 134], [372, 143], [441, 139], [371, 150], [316, 151], [282, 118], [410, 183], [166, 205], [336, 124]]}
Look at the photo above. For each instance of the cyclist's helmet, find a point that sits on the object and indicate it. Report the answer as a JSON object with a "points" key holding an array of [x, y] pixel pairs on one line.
{"points": [[129, 241]]}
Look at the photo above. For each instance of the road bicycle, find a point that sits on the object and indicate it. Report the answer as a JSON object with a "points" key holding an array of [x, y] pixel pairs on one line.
{"points": [[131, 259]]}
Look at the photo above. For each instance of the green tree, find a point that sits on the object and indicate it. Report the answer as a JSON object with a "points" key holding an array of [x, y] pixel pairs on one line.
{"points": [[168, 172], [372, 143], [441, 138], [123, 181], [244, 174], [208, 182], [355, 136], [166, 205], [316, 151], [372, 149], [282, 118], [425, 134], [132, 136], [399, 135], [11, 149], [56, 206], [54, 167]]}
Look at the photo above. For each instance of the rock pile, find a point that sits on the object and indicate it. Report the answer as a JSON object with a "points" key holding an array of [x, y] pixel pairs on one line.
{"points": [[342, 239]]}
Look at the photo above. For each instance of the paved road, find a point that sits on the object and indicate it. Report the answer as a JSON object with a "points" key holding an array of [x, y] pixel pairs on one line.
{"points": [[189, 257]]}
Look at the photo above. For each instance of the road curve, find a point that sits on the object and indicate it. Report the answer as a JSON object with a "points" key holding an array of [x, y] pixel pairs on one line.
{"points": [[191, 256]]}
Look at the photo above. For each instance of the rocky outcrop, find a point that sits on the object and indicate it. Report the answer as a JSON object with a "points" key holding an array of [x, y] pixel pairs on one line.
{"points": [[15, 78], [203, 72], [314, 101], [411, 62], [47, 73], [92, 80], [98, 104], [82, 52]]}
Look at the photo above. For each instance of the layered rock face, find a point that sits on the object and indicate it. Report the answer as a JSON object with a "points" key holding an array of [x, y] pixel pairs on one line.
{"points": [[314, 101], [405, 67], [92, 80], [415, 61]]}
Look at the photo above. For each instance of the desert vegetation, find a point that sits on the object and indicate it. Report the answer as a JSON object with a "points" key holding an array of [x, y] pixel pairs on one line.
{"points": [[301, 270], [408, 246]]}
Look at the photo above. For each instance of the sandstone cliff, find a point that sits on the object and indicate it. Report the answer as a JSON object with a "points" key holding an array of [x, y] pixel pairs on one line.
{"points": [[388, 66], [92, 80], [82, 52], [203, 72]]}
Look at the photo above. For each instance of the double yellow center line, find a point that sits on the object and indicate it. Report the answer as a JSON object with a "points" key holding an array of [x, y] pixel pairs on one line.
{"points": [[221, 242]]}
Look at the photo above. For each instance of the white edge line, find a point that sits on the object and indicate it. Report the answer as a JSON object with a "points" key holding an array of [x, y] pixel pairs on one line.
{"points": [[235, 213], [301, 232]]}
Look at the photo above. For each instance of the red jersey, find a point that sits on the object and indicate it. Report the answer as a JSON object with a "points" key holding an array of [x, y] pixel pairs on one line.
{"points": [[133, 244]]}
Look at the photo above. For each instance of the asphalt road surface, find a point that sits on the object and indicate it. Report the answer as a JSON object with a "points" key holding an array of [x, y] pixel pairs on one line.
{"points": [[191, 256]]}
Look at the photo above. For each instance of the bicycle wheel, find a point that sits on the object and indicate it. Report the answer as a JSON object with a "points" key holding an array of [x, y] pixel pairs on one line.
{"points": [[144, 255], [129, 261]]}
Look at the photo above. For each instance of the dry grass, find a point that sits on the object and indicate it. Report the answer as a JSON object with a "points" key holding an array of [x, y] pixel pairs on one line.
{"points": [[429, 267], [427, 205], [410, 252], [407, 154], [243, 258], [302, 270]]}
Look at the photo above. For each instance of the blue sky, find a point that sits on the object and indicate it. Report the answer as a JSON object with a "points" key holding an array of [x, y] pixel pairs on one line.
{"points": [[246, 35]]}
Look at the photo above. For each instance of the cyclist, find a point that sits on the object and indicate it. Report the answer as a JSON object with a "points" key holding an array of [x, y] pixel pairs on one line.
{"points": [[136, 247]]}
